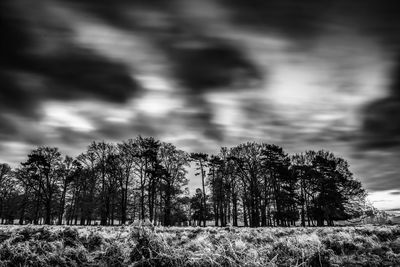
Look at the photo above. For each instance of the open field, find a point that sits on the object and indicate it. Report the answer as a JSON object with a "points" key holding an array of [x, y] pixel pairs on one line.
{"points": [[138, 246]]}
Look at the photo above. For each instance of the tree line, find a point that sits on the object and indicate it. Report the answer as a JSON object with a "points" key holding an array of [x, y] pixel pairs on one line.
{"points": [[252, 184], [260, 185]]}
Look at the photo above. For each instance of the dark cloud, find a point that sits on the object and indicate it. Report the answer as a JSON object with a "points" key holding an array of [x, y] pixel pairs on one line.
{"points": [[381, 183], [74, 75], [395, 193], [103, 9], [7, 127], [381, 19], [378, 169], [331, 135], [212, 65], [13, 48], [200, 120], [80, 74], [116, 13], [17, 99], [209, 129], [395, 76], [308, 18], [70, 137], [381, 118], [292, 17], [381, 125], [29, 76], [16, 39], [142, 125]]}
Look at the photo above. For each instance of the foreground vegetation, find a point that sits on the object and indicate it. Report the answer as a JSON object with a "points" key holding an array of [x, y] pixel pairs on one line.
{"points": [[140, 246]]}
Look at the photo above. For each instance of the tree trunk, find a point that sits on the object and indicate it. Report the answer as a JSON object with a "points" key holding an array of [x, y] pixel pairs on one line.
{"points": [[62, 203], [36, 212], [245, 213], [142, 195], [235, 210], [48, 211], [203, 214]]}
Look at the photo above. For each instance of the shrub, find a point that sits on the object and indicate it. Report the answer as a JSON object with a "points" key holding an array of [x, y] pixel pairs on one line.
{"points": [[75, 256], [93, 241], [4, 235], [146, 245], [395, 246], [113, 256], [70, 237]]}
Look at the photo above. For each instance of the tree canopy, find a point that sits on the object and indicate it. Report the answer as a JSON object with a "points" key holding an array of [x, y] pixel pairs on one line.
{"points": [[251, 184]]}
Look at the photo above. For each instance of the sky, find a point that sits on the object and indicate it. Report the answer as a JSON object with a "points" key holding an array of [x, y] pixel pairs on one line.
{"points": [[204, 74]]}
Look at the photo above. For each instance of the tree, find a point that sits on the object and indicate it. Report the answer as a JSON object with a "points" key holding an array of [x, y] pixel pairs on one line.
{"points": [[216, 184], [66, 173], [5, 173], [173, 162], [201, 161], [279, 187], [301, 166], [9, 194], [128, 155], [43, 168], [224, 188], [79, 179], [246, 158], [198, 212], [329, 188]]}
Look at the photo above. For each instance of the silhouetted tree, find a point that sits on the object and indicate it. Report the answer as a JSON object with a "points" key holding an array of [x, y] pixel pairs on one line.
{"points": [[66, 172], [9, 194], [279, 186], [201, 161], [128, 155], [173, 162], [43, 167]]}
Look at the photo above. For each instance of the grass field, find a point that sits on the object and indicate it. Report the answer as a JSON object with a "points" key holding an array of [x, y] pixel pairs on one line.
{"points": [[138, 246]]}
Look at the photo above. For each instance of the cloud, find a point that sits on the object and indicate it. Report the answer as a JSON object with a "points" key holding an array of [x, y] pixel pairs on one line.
{"points": [[18, 38], [15, 99], [395, 75], [381, 125], [142, 125], [381, 118], [378, 169], [39, 62], [384, 200], [116, 13], [7, 127], [212, 65], [294, 18], [74, 75], [53, 66], [80, 73]]}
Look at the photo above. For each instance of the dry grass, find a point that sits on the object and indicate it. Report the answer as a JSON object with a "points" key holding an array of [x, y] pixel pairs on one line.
{"points": [[138, 246]]}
